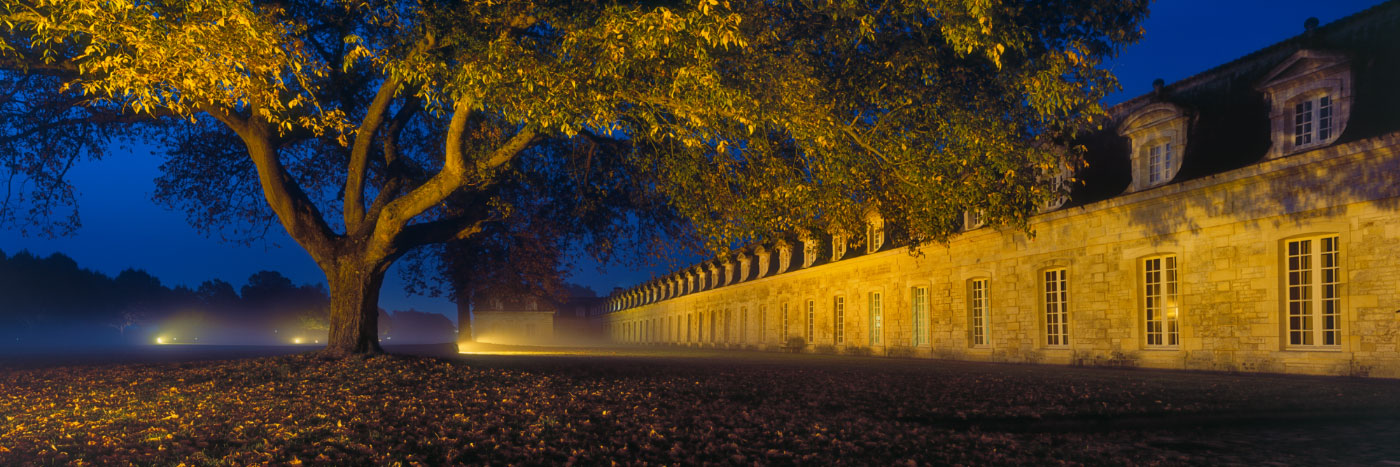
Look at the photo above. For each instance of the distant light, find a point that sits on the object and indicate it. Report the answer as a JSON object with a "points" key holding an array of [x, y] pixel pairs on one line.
{"points": [[318, 341], [296, 340], [160, 340]]}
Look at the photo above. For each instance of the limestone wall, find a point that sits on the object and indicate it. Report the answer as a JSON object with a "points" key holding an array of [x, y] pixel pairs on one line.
{"points": [[1227, 232]]}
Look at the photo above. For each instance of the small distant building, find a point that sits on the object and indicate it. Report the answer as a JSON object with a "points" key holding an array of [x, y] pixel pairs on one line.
{"points": [[514, 320]]}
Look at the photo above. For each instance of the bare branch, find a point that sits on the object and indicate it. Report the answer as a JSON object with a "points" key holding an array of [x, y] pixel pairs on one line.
{"points": [[359, 153], [454, 176], [410, 108], [440, 231], [295, 210]]}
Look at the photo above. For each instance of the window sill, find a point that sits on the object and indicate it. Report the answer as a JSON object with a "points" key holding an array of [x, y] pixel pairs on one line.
{"points": [[1162, 348], [1329, 349], [1307, 147]]}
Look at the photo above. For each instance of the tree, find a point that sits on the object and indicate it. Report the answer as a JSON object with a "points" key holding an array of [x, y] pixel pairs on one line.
{"points": [[217, 294], [127, 319], [374, 127]]}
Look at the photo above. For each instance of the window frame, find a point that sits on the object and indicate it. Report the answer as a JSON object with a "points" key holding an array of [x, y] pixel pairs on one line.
{"points": [[1165, 286], [919, 311], [1160, 164], [1316, 289], [838, 246], [811, 320], [979, 312], [874, 235], [876, 314], [728, 326], [838, 315], [974, 219], [1055, 335], [1313, 99], [743, 325], [784, 326]]}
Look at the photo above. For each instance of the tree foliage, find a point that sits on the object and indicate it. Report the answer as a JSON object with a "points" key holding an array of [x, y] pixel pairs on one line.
{"points": [[377, 126]]}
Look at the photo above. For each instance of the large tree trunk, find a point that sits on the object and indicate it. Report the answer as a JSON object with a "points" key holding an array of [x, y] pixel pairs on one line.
{"points": [[354, 325]]}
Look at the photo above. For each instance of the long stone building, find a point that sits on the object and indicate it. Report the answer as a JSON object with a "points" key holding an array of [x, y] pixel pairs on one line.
{"points": [[1243, 219]]}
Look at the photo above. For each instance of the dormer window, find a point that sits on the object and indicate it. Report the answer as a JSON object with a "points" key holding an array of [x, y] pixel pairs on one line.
{"points": [[762, 262], [1310, 96], [838, 246], [874, 233], [809, 251], [743, 267], [972, 219], [1158, 133], [1057, 181], [1312, 121], [784, 257]]}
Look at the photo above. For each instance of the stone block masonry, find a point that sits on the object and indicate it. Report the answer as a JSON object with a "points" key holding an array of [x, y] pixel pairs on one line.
{"points": [[1231, 306]]}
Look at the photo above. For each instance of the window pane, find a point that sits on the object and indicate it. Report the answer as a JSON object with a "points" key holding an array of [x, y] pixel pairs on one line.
{"points": [[1330, 293], [1056, 311], [1160, 301], [840, 315], [977, 309], [1324, 118]]}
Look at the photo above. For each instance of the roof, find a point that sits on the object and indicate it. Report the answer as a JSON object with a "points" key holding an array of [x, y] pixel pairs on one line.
{"points": [[1230, 127]]}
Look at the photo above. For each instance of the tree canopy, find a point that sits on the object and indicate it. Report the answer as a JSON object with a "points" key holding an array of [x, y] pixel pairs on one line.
{"points": [[374, 127]]}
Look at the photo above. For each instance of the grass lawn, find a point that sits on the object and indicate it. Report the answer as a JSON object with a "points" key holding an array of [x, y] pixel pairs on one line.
{"points": [[679, 407]]}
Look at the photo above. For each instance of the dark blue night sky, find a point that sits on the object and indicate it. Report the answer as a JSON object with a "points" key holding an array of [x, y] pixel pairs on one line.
{"points": [[123, 229]]}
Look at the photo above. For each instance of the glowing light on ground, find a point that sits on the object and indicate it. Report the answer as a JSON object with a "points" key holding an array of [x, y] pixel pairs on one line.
{"points": [[478, 348]]}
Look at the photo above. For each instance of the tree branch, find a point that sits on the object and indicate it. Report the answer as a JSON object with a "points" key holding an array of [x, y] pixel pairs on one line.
{"points": [[293, 207], [359, 153], [398, 213], [440, 231], [410, 108]]}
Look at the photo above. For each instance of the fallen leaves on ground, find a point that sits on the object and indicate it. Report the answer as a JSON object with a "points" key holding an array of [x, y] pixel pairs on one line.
{"points": [[301, 410]]}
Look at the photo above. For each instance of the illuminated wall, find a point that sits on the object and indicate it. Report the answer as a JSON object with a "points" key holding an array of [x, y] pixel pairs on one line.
{"points": [[1243, 219], [1227, 234]]}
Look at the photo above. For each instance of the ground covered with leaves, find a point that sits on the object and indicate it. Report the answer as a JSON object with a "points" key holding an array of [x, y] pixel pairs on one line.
{"points": [[680, 408]]}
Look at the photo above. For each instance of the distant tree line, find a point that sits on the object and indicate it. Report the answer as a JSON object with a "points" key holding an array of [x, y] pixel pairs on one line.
{"points": [[53, 302]]}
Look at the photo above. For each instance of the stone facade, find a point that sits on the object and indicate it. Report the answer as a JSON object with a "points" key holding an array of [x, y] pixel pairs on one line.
{"points": [[1282, 263]]}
